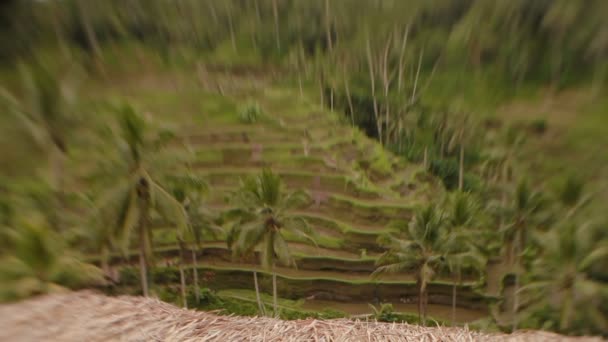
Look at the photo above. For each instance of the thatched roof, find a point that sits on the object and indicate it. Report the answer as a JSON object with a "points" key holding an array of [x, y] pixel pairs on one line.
{"points": [[88, 316]]}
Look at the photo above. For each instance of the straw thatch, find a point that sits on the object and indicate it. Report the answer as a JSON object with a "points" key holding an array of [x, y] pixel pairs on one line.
{"points": [[88, 316]]}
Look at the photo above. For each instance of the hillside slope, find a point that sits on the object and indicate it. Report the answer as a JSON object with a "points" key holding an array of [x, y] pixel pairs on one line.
{"points": [[358, 192]]}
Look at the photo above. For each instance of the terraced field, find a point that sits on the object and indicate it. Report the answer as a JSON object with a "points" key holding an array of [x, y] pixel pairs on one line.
{"points": [[358, 192]]}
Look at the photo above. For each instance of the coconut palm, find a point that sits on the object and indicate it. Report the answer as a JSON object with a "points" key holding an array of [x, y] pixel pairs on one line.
{"points": [[463, 252], [423, 250], [126, 207], [571, 196], [39, 262], [499, 168], [188, 190], [45, 114], [561, 289], [463, 209], [525, 210], [263, 209]]}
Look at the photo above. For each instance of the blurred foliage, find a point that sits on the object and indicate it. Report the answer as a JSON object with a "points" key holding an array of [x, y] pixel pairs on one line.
{"points": [[251, 113], [39, 262]]}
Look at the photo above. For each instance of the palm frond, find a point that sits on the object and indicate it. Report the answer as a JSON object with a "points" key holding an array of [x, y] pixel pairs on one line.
{"points": [[129, 219], [168, 207], [594, 256], [391, 268], [13, 268], [536, 285], [299, 226], [74, 273], [132, 129], [270, 187], [294, 200], [38, 134], [267, 251], [281, 250], [109, 212], [250, 235]]}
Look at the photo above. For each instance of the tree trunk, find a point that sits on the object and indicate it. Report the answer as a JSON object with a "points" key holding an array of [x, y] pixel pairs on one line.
{"points": [[386, 81], [143, 194], [401, 55], [373, 86], [350, 101], [182, 276], [275, 12], [275, 303], [426, 305], [143, 271], [417, 75], [257, 294], [230, 26], [328, 27], [197, 290]]}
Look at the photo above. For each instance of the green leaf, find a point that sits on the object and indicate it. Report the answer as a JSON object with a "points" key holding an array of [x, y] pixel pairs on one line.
{"points": [[267, 252], [129, 221], [168, 207], [251, 234], [594, 256], [281, 250]]}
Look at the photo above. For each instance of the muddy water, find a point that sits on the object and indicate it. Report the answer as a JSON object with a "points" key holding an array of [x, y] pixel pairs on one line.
{"points": [[434, 310]]}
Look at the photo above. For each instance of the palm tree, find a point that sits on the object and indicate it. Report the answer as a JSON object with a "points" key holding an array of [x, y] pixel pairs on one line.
{"points": [[499, 168], [463, 211], [45, 113], [572, 197], [423, 250], [560, 282], [126, 207], [263, 208], [188, 190], [463, 252], [525, 210], [39, 262]]}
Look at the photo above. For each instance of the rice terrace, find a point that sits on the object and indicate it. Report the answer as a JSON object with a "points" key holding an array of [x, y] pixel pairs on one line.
{"points": [[294, 170]]}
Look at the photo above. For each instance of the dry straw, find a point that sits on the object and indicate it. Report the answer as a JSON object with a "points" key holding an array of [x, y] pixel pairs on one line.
{"points": [[88, 316]]}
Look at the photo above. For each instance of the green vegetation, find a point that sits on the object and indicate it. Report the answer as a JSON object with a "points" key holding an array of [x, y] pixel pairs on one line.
{"points": [[251, 113], [126, 207], [427, 247], [38, 263], [439, 153], [262, 211]]}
